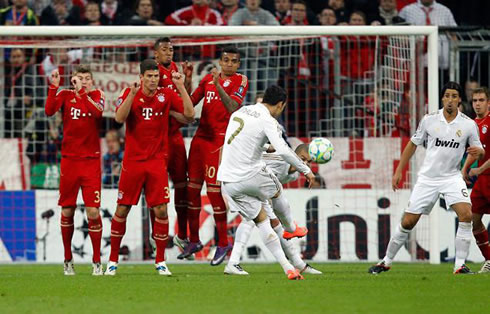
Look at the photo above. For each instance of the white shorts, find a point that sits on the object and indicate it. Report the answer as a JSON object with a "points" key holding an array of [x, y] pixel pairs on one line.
{"points": [[426, 193], [248, 197], [268, 210]]}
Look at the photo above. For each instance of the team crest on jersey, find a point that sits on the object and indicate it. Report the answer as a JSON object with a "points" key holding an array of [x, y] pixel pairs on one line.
{"points": [[226, 83], [161, 98], [120, 195], [484, 129], [459, 133]]}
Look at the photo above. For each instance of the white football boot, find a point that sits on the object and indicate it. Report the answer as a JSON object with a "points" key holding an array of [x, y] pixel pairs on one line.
{"points": [[68, 268], [235, 270], [111, 269], [163, 269]]}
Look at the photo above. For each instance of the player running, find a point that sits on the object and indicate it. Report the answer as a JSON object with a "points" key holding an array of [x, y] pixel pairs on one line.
{"points": [[247, 182], [82, 109], [223, 93], [285, 173], [145, 109], [480, 195], [447, 132]]}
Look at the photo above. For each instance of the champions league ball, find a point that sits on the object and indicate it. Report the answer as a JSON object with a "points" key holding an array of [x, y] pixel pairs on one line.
{"points": [[321, 150]]}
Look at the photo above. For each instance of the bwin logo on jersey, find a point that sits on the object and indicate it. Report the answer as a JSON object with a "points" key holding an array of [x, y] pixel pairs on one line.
{"points": [[450, 144]]}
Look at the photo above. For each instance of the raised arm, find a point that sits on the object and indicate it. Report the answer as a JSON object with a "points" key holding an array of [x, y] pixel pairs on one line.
{"points": [[94, 105], [230, 104], [123, 110], [53, 101], [178, 79]]}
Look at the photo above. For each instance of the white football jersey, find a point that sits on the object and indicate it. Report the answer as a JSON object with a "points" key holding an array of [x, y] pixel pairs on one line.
{"points": [[280, 168], [249, 129], [446, 143]]}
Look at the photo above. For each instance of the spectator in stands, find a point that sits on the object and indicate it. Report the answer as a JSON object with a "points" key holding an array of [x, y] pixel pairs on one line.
{"points": [[327, 17], [93, 15], [62, 59], [253, 14], [114, 13], [357, 18], [199, 13], [144, 14], [112, 159], [298, 14], [227, 8], [340, 10], [19, 89], [18, 14], [387, 14], [467, 104], [282, 10], [429, 12], [57, 13]]}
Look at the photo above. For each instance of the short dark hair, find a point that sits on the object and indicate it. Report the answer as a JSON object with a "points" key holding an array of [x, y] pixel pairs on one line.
{"points": [[299, 2], [452, 85], [83, 68], [302, 148], [161, 40], [148, 65], [274, 94], [482, 90], [230, 49]]}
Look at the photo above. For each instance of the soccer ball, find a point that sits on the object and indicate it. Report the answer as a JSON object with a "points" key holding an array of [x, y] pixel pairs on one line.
{"points": [[321, 150]]}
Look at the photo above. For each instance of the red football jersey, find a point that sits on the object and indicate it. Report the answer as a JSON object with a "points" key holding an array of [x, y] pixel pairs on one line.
{"points": [[166, 81], [214, 115], [484, 127], [147, 123], [82, 116]]}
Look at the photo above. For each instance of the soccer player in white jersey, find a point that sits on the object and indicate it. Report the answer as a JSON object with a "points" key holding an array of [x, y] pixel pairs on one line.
{"points": [[246, 181], [447, 132], [285, 173]]}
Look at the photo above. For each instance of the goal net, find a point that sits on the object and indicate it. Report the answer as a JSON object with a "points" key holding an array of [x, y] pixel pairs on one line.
{"points": [[363, 88]]}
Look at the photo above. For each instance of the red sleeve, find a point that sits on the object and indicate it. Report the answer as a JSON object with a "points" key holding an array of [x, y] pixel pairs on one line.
{"points": [[54, 101], [122, 97], [94, 102], [176, 18], [240, 90], [198, 93], [176, 102]]}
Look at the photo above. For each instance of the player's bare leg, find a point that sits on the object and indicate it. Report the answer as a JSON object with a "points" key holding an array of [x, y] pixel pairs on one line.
{"points": [[95, 233], [67, 229], [271, 241], [160, 235], [118, 229], [400, 236], [463, 237], [481, 236]]}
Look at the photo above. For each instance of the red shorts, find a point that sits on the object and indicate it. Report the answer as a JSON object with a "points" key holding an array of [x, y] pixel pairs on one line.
{"points": [[204, 159], [480, 195], [76, 174], [148, 174], [177, 158]]}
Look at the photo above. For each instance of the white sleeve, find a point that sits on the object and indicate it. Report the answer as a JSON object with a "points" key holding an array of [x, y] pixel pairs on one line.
{"points": [[271, 129], [421, 134], [474, 139]]}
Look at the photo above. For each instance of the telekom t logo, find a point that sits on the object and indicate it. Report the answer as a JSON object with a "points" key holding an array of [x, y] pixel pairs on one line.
{"points": [[75, 113], [209, 96], [147, 113]]}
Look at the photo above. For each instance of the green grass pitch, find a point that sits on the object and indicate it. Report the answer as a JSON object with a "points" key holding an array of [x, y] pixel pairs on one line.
{"points": [[200, 288]]}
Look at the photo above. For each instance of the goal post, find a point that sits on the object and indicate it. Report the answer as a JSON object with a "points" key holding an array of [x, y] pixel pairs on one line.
{"points": [[272, 51]]}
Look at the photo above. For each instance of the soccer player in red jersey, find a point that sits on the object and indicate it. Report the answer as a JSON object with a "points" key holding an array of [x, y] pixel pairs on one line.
{"points": [[145, 109], [82, 109], [177, 156], [480, 195], [222, 93]]}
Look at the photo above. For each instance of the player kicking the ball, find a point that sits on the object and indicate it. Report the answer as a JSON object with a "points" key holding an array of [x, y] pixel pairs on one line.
{"points": [[447, 133], [285, 173], [246, 180]]}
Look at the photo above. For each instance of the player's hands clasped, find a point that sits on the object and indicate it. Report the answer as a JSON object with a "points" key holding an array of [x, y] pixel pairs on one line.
{"points": [[473, 150], [55, 77]]}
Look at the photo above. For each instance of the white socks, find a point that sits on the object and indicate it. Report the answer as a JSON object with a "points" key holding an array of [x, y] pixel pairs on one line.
{"points": [[271, 241], [289, 250], [462, 243], [242, 234], [283, 212], [396, 242]]}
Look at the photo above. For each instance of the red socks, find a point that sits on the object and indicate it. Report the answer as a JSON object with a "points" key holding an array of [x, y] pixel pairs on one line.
{"points": [[194, 210], [118, 229], [181, 208], [482, 242], [95, 232], [67, 229], [160, 235], [219, 209]]}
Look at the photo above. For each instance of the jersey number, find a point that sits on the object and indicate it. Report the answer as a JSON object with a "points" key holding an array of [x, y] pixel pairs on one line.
{"points": [[240, 128]]}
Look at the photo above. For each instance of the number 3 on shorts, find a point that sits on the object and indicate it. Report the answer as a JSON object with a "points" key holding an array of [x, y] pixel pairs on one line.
{"points": [[240, 128], [464, 192]]}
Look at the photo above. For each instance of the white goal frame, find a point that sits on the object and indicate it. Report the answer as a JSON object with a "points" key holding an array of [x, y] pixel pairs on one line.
{"points": [[430, 31]]}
